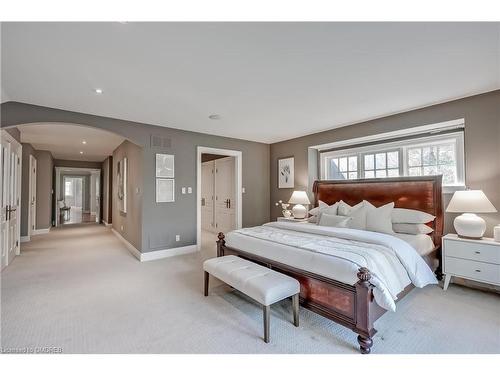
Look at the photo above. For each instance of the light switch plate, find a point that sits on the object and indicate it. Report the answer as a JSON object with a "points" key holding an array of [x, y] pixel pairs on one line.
{"points": [[190, 190], [183, 190], [177, 238], [243, 190]]}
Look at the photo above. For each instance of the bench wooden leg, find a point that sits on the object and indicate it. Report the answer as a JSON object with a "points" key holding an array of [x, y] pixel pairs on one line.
{"points": [[295, 306], [206, 283], [266, 310]]}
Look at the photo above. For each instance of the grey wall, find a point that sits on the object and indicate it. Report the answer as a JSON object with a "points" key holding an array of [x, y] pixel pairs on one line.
{"points": [[15, 133], [25, 186], [44, 189], [107, 187], [482, 147], [161, 222], [129, 224]]}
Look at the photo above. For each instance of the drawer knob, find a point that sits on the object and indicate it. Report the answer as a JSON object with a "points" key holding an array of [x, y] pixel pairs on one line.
{"points": [[478, 270], [478, 252]]}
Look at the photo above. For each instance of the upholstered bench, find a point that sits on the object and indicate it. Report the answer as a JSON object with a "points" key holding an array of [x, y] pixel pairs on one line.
{"points": [[259, 283]]}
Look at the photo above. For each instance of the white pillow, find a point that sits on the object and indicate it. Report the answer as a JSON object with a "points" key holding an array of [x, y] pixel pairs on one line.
{"points": [[315, 210], [344, 209], [412, 228], [322, 208], [358, 215], [334, 220], [378, 219], [407, 216]]}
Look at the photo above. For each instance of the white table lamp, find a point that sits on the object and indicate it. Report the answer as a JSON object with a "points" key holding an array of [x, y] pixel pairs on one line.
{"points": [[470, 202], [299, 198]]}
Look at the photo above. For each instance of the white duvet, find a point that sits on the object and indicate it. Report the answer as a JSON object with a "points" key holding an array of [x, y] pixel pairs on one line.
{"points": [[392, 262]]}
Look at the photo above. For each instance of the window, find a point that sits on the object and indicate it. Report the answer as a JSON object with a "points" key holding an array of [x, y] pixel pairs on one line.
{"points": [[68, 188], [424, 156]]}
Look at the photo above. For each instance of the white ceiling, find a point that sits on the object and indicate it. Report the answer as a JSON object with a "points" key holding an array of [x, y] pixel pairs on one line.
{"points": [[64, 141], [267, 81]]}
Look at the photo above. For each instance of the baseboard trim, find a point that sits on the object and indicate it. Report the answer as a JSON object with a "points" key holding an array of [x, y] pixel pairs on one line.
{"points": [[106, 223], [166, 253], [129, 246], [157, 254], [36, 232], [25, 239]]}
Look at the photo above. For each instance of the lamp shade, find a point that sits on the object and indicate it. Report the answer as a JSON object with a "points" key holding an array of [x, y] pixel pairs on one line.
{"points": [[471, 201], [299, 197]]}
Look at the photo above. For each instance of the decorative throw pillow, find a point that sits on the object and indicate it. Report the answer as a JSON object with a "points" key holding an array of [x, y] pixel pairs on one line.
{"points": [[378, 219], [315, 210], [358, 215], [408, 216], [322, 208], [412, 228], [344, 209], [334, 220]]}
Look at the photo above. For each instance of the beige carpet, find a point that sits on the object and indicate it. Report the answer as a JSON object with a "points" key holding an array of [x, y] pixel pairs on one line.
{"points": [[79, 289]]}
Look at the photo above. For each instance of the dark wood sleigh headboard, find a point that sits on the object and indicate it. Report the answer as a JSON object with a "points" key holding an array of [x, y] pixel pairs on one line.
{"points": [[418, 193]]}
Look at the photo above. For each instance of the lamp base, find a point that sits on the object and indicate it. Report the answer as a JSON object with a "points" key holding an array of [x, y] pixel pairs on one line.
{"points": [[469, 226], [299, 211]]}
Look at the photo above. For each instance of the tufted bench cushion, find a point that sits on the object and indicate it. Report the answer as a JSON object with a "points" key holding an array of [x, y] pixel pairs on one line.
{"points": [[259, 283]]}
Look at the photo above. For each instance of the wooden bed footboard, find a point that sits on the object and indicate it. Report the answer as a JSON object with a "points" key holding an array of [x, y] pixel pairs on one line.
{"points": [[352, 306]]}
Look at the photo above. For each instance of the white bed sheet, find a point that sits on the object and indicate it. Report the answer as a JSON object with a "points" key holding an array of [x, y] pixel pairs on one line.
{"points": [[326, 261], [421, 242]]}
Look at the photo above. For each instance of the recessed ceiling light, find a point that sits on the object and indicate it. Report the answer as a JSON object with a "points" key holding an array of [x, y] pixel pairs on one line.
{"points": [[98, 91], [214, 117], [81, 152], [84, 142]]}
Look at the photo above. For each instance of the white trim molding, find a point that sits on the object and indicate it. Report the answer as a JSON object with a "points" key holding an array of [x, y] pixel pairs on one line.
{"points": [[166, 253], [239, 186], [25, 239], [106, 223], [36, 232], [416, 130], [157, 254]]}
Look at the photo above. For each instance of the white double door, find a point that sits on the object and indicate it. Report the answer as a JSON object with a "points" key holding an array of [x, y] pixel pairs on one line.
{"points": [[10, 196], [218, 193]]}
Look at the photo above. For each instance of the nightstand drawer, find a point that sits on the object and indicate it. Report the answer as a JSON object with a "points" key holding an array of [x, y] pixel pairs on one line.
{"points": [[472, 269], [473, 251]]}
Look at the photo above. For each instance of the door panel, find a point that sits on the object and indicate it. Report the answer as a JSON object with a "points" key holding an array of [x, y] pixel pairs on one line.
{"points": [[10, 198], [207, 196], [225, 194], [32, 208]]}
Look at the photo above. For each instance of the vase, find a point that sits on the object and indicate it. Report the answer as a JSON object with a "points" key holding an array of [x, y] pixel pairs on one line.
{"points": [[287, 213]]}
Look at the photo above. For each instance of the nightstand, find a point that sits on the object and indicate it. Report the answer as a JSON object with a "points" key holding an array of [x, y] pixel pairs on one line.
{"points": [[291, 219], [477, 260]]}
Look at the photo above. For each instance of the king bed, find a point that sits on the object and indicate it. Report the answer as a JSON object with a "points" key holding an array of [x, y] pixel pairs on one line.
{"points": [[350, 276]]}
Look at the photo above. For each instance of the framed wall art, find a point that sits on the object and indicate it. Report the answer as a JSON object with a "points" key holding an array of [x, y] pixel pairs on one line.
{"points": [[286, 173]]}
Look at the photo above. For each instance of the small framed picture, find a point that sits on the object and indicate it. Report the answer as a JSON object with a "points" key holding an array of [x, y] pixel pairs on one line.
{"points": [[286, 173], [164, 166], [165, 190]]}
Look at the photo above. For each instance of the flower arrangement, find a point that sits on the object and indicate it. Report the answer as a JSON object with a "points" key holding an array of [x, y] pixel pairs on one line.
{"points": [[284, 207]]}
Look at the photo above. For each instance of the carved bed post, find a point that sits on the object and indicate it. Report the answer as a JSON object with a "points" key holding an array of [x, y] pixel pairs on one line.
{"points": [[220, 243], [364, 298]]}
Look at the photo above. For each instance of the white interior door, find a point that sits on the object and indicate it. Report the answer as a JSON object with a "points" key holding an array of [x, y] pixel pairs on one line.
{"points": [[10, 198], [97, 198], [207, 196], [32, 192], [225, 189]]}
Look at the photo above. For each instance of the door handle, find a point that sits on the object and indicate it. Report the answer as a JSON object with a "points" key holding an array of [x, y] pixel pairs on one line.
{"points": [[9, 211], [228, 203]]}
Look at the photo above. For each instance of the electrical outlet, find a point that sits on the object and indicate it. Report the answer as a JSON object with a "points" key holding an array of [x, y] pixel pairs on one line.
{"points": [[177, 238], [190, 190], [121, 228]]}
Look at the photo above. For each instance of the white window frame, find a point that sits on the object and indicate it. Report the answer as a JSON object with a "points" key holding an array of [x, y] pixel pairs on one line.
{"points": [[402, 146]]}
